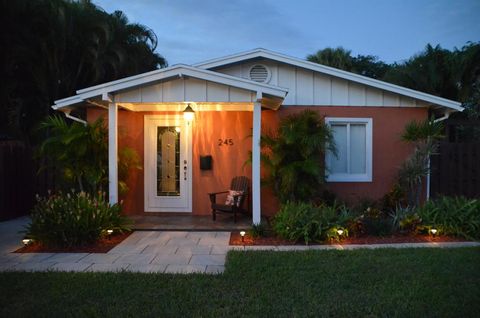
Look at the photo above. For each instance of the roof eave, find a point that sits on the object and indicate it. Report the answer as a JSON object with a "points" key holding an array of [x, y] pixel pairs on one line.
{"points": [[263, 53]]}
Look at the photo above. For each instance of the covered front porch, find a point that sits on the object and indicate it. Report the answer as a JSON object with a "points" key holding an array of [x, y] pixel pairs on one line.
{"points": [[147, 105]]}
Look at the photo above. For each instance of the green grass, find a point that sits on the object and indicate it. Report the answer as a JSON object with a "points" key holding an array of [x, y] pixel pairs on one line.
{"points": [[387, 283]]}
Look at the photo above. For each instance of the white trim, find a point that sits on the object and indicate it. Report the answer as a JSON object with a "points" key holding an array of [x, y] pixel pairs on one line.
{"points": [[179, 107], [149, 121], [172, 72], [256, 190], [113, 153], [347, 177], [263, 53]]}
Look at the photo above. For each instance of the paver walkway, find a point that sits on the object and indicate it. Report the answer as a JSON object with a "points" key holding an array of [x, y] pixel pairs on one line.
{"points": [[153, 251]]}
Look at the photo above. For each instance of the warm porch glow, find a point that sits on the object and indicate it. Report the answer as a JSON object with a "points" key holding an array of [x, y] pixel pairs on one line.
{"points": [[188, 114]]}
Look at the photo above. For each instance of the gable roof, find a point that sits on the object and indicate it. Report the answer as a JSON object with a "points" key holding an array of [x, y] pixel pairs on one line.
{"points": [[172, 72], [263, 53]]}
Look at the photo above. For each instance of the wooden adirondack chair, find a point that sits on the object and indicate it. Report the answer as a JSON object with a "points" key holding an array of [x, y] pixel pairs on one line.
{"points": [[234, 204]]}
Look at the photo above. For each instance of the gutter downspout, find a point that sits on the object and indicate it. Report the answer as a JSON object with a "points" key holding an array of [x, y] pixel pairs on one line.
{"points": [[67, 114], [444, 117]]}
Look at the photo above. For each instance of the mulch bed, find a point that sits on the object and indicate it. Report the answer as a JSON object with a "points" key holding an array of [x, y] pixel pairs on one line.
{"points": [[102, 246], [236, 239]]}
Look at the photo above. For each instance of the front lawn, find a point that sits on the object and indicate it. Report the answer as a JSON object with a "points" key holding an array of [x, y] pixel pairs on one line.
{"points": [[386, 282]]}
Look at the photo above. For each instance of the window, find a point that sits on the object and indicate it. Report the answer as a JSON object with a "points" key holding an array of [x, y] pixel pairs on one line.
{"points": [[353, 139]]}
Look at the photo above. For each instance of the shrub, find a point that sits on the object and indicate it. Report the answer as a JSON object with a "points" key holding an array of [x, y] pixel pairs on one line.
{"points": [[258, 230], [74, 219], [405, 219], [456, 216], [371, 221], [304, 221], [297, 221]]}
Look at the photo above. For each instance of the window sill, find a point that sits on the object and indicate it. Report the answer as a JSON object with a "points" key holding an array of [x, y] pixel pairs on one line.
{"points": [[349, 178]]}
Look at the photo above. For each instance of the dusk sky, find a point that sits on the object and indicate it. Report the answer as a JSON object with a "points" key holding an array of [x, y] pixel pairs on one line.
{"points": [[191, 31]]}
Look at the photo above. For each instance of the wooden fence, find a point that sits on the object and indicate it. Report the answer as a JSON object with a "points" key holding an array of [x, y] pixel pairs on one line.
{"points": [[456, 170], [20, 180]]}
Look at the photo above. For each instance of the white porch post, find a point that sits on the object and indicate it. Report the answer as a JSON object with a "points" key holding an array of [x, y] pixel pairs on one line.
{"points": [[112, 153], [257, 124]]}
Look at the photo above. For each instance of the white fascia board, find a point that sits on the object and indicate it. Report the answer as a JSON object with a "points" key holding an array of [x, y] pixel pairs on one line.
{"points": [[257, 53], [61, 103], [178, 71], [172, 72]]}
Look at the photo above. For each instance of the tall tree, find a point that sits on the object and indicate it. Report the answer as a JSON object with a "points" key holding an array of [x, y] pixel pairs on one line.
{"points": [[334, 57], [54, 47], [366, 65], [431, 71]]}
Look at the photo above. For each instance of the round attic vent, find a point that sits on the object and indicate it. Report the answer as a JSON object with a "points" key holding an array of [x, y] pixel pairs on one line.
{"points": [[259, 73]]}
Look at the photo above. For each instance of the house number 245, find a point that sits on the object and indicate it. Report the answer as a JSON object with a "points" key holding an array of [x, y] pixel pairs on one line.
{"points": [[225, 142]]}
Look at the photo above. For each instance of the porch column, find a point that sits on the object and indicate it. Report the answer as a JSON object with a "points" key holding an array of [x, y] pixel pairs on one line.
{"points": [[257, 124], [112, 153]]}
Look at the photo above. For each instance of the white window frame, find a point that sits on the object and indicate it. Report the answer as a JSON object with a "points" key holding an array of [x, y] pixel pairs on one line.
{"points": [[350, 177]]}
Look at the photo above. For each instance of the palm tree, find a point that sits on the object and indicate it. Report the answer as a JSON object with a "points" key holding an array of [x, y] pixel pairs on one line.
{"points": [[294, 156], [334, 57]]}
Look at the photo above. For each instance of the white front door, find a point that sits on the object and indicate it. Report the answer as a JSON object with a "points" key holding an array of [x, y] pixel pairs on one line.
{"points": [[168, 156]]}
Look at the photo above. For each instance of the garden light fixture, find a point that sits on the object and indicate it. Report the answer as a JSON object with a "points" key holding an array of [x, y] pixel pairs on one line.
{"points": [[340, 232], [242, 234], [188, 113], [26, 241], [433, 231]]}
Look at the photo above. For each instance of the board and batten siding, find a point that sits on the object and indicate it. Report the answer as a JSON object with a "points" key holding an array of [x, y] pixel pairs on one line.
{"points": [[307, 87], [185, 89]]}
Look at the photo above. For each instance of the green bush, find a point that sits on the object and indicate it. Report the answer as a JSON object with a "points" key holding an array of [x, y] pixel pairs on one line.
{"points": [[304, 221], [405, 220], [371, 221], [258, 230], [74, 219], [456, 216]]}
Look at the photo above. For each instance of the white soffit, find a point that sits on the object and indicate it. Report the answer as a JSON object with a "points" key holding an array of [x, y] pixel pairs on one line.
{"points": [[263, 53]]}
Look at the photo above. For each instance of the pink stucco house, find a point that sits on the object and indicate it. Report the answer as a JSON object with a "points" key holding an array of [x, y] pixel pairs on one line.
{"points": [[237, 96]]}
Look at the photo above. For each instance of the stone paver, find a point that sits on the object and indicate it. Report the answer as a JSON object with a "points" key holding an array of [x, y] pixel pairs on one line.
{"points": [[70, 267], [194, 250], [7, 258], [8, 266], [182, 242], [136, 258], [215, 269], [185, 269], [153, 249], [66, 257], [100, 258], [174, 259], [34, 266], [117, 267], [207, 260], [33, 257], [149, 268], [155, 252]]}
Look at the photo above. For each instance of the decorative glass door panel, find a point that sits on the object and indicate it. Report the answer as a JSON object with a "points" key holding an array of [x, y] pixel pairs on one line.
{"points": [[168, 161], [168, 185]]}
